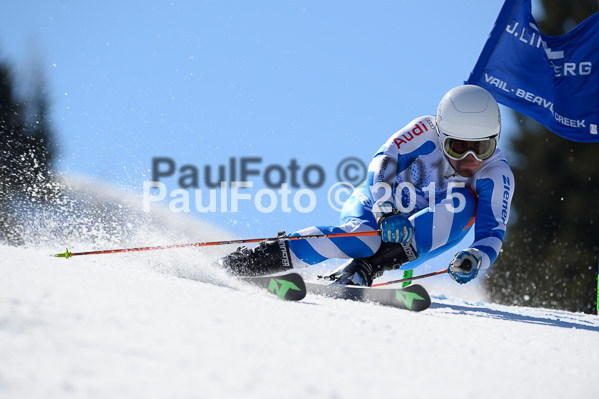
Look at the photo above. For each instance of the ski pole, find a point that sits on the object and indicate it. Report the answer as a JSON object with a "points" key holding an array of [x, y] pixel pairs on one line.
{"points": [[410, 278], [67, 254]]}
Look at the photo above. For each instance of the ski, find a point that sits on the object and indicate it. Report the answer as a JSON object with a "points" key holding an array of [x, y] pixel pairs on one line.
{"points": [[414, 297], [289, 286]]}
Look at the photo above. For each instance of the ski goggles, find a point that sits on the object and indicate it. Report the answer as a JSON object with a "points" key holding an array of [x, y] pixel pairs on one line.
{"points": [[457, 149]]}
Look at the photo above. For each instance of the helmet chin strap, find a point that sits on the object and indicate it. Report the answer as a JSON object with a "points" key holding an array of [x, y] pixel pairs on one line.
{"points": [[455, 172]]}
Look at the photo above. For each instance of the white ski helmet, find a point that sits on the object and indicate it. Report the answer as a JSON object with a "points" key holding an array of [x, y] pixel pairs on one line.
{"points": [[468, 113]]}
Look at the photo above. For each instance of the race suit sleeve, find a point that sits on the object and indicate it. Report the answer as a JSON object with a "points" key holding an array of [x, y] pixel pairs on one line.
{"points": [[495, 190], [417, 138]]}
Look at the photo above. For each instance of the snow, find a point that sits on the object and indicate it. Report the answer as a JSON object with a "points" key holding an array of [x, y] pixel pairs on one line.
{"points": [[168, 324], [116, 327]]}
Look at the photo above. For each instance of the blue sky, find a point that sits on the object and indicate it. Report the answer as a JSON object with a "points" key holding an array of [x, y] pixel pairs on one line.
{"points": [[201, 82]]}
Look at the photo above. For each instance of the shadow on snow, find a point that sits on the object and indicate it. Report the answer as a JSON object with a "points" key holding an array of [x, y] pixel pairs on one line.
{"points": [[549, 319]]}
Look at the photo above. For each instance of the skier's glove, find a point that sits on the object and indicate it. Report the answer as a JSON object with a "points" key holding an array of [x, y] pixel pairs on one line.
{"points": [[396, 228], [464, 267]]}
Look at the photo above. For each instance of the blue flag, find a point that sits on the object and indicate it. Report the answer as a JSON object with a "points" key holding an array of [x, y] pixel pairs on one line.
{"points": [[552, 79]]}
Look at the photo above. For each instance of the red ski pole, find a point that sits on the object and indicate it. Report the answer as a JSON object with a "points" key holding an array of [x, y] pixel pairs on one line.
{"points": [[68, 254]]}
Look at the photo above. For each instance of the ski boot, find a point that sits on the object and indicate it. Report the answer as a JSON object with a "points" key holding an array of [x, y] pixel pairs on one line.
{"points": [[362, 271], [267, 258]]}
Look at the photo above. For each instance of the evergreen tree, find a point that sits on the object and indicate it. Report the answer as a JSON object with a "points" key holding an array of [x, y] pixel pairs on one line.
{"points": [[549, 258], [26, 150]]}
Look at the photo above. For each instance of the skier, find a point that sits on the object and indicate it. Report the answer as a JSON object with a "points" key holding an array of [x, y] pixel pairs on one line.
{"points": [[425, 189]]}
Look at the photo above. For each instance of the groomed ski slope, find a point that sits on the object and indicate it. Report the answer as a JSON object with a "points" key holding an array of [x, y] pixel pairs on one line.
{"points": [[166, 324], [156, 326]]}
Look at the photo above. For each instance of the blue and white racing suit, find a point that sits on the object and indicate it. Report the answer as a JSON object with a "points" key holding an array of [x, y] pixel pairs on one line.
{"points": [[411, 171]]}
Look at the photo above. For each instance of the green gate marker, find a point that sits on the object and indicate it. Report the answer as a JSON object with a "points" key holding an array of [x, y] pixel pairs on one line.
{"points": [[280, 287], [407, 298]]}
